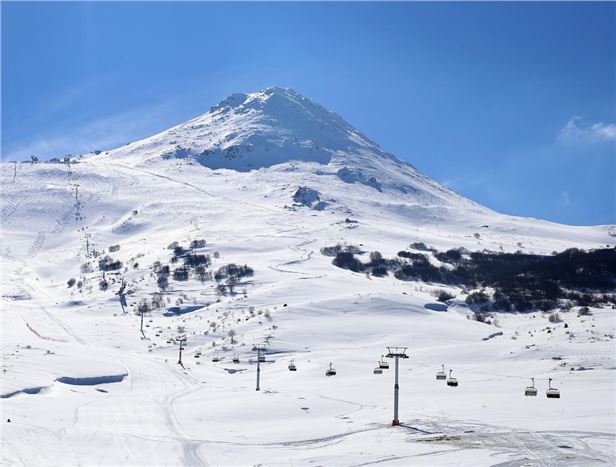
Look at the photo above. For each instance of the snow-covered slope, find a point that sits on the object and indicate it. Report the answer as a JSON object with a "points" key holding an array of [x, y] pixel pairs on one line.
{"points": [[268, 179], [251, 131]]}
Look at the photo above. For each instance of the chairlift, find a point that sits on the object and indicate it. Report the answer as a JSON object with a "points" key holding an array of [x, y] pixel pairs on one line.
{"points": [[441, 374], [330, 371], [531, 390], [383, 364], [377, 369], [451, 381], [261, 358], [292, 366], [215, 358], [236, 359], [552, 393]]}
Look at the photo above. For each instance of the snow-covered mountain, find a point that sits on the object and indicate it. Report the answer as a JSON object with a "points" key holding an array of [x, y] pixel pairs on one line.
{"points": [[279, 126], [268, 179]]}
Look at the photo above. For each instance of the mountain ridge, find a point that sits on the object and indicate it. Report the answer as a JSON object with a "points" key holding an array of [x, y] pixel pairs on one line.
{"points": [[277, 127]]}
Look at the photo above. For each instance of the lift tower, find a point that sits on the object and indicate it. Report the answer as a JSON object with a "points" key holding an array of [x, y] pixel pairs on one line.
{"points": [[396, 353], [259, 348]]}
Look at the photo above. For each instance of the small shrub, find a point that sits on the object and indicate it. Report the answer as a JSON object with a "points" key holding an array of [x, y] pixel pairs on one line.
{"points": [[107, 263], [180, 274], [346, 260], [449, 256], [197, 260], [421, 246], [480, 317], [144, 306], [71, 282], [376, 257], [584, 311], [554, 318], [200, 243], [479, 300], [443, 295]]}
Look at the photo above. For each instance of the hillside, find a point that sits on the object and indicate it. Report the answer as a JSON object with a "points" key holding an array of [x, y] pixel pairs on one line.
{"points": [[267, 180]]}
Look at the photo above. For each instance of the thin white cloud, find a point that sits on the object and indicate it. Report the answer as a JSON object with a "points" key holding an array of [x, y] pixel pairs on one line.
{"points": [[104, 133], [565, 197], [578, 130]]}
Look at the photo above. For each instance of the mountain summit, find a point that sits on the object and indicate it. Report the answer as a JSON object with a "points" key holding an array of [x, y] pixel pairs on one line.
{"points": [[261, 129], [277, 126]]}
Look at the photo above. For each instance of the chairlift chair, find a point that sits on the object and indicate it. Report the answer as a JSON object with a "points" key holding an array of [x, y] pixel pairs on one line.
{"points": [[441, 374], [261, 358], [378, 370], [451, 381], [292, 366], [330, 371], [236, 359], [215, 358], [552, 393], [383, 364], [531, 390]]}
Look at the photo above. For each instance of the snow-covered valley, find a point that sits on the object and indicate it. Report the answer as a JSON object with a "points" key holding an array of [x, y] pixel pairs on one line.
{"points": [[81, 385]]}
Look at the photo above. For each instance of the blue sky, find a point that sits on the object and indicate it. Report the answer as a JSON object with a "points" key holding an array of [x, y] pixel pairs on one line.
{"points": [[511, 104]]}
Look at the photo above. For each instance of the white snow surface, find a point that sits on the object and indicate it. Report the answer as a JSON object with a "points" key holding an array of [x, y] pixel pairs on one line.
{"points": [[82, 387]]}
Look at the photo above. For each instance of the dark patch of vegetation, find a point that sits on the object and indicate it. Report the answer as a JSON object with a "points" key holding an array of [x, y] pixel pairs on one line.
{"points": [[163, 282], [584, 311], [103, 284], [196, 265], [203, 274], [114, 248], [232, 270], [197, 260], [421, 246], [179, 251], [444, 296], [107, 263], [71, 282], [181, 274], [347, 260], [336, 249], [479, 301], [521, 281], [449, 256], [199, 243]]}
